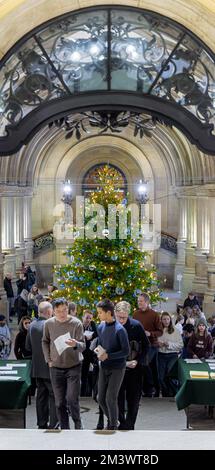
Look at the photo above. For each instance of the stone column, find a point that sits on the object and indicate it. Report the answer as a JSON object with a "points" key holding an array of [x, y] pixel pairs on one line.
{"points": [[3, 297], [181, 242], [19, 231], [202, 248], [28, 230], [8, 234], [189, 270], [209, 304]]}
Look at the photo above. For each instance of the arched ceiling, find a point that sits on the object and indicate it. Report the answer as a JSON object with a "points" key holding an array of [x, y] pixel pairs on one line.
{"points": [[45, 156], [184, 163]]}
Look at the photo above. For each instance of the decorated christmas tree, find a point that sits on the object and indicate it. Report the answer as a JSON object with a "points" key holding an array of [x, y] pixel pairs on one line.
{"points": [[105, 266]]}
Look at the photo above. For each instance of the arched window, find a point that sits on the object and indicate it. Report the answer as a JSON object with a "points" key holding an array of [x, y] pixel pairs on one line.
{"points": [[90, 180], [107, 59]]}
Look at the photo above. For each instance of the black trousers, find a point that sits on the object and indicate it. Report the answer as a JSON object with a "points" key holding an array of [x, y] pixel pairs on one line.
{"points": [[66, 387], [129, 397], [45, 404], [86, 383]]}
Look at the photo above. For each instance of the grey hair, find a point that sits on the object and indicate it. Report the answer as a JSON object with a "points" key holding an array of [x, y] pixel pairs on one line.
{"points": [[43, 306], [123, 306]]}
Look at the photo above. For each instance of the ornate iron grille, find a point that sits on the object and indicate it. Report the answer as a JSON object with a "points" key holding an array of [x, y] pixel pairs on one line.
{"points": [[142, 59]]}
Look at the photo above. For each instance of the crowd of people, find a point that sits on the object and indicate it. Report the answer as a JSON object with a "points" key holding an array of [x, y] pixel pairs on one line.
{"points": [[124, 356]]}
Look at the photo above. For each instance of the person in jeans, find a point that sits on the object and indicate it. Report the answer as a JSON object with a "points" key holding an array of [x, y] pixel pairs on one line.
{"points": [[170, 345], [113, 338], [64, 361]]}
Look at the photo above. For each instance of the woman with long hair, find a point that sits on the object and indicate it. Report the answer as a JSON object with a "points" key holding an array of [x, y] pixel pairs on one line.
{"points": [[170, 345], [201, 343], [34, 298], [19, 346]]}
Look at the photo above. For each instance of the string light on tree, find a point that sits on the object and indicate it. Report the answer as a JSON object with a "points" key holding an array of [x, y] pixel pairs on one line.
{"points": [[112, 268]]}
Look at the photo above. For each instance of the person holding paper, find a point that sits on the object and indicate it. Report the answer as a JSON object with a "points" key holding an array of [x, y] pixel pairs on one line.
{"points": [[90, 333], [112, 351], [63, 343], [131, 388]]}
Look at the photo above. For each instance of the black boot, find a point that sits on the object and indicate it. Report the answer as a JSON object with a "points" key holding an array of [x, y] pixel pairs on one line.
{"points": [[100, 424]]}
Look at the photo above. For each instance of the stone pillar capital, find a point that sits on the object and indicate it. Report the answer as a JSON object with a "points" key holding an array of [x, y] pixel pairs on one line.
{"points": [[15, 191]]}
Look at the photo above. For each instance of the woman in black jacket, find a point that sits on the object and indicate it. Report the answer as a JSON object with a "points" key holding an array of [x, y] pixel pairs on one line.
{"points": [[21, 305], [19, 346], [90, 332]]}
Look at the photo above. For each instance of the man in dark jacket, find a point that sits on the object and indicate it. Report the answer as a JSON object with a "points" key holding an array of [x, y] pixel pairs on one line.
{"points": [[22, 283], [191, 300], [45, 403], [9, 291], [131, 387]]}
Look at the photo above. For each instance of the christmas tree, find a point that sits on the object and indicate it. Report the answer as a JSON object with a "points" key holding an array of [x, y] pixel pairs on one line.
{"points": [[104, 267]]}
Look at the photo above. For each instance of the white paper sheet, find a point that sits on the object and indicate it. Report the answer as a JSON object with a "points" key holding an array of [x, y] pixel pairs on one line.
{"points": [[88, 334], [99, 351], [8, 372], [7, 377], [60, 343], [193, 361], [14, 364]]}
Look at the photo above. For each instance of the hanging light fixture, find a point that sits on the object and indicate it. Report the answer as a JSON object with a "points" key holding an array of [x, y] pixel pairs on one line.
{"points": [[142, 192], [67, 193]]}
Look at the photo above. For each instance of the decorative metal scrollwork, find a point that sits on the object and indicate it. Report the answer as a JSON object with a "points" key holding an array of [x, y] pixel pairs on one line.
{"points": [[168, 243], [113, 122], [46, 240], [109, 50], [188, 82], [43, 241]]}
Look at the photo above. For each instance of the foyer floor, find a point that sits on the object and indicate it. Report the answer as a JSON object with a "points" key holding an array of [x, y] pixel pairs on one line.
{"points": [[159, 426]]}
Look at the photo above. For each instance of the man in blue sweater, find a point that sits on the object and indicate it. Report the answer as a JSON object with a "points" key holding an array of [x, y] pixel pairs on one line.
{"points": [[131, 388], [112, 351]]}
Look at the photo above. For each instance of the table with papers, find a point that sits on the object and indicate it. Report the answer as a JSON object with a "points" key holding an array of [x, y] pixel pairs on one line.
{"points": [[15, 382], [197, 384]]}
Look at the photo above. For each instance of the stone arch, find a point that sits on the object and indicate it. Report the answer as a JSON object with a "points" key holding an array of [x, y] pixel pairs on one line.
{"points": [[20, 16], [193, 120]]}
